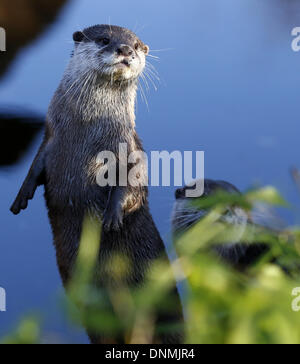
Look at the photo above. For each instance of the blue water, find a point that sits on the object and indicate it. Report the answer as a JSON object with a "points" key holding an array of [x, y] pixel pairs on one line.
{"points": [[230, 86]]}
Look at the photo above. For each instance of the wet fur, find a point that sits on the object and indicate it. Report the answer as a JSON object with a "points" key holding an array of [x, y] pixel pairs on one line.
{"points": [[238, 254], [91, 112]]}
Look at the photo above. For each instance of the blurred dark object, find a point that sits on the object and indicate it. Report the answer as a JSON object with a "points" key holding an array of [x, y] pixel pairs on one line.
{"points": [[24, 20], [16, 136]]}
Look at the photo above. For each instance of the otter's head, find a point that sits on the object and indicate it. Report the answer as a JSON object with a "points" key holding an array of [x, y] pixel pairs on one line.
{"points": [[185, 214], [115, 53]]}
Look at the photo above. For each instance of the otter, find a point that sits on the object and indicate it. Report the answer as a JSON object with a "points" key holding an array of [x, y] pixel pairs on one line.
{"points": [[238, 254], [93, 110]]}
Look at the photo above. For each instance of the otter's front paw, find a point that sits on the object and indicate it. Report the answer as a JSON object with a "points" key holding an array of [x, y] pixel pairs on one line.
{"points": [[113, 218], [22, 199]]}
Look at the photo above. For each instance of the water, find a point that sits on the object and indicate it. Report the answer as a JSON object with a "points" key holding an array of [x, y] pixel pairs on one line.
{"points": [[230, 87]]}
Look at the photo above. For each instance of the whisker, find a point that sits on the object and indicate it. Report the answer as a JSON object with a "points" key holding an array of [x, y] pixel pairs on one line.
{"points": [[73, 88], [87, 37], [162, 50], [152, 68], [151, 80], [144, 95], [109, 22], [138, 30], [153, 74], [151, 56], [84, 88], [135, 27], [145, 81]]}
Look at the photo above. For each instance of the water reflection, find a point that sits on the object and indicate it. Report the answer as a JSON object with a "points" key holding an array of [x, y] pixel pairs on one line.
{"points": [[17, 134], [24, 22]]}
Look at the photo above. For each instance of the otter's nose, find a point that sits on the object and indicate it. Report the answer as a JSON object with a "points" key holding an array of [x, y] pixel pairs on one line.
{"points": [[125, 50]]}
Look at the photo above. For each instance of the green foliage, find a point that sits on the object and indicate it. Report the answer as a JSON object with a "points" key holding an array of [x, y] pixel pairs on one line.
{"points": [[27, 333], [222, 305]]}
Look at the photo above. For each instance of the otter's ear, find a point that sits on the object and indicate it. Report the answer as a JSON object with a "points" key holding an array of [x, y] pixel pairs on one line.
{"points": [[78, 37], [146, 50]]}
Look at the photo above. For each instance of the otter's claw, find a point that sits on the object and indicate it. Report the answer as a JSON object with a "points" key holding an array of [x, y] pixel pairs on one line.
{"points": [[113, 219], [21, 201]]}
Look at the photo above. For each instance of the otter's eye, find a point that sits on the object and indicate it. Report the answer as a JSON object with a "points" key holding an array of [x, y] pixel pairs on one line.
{"points": [[137, 46]]}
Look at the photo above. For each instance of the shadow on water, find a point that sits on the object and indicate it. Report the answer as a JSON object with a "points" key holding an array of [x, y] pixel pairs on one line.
{"points": [[17, 133], [24, 23]]}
